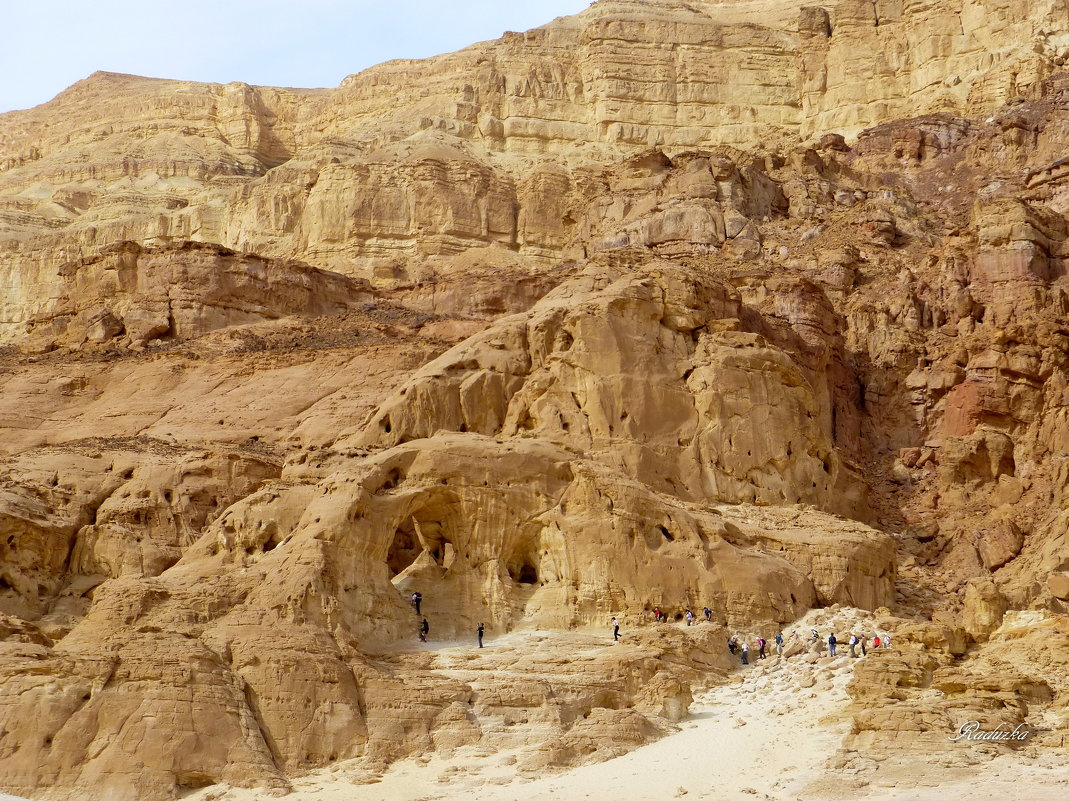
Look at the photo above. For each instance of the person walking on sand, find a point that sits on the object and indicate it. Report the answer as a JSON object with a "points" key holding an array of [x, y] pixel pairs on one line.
{"points": [[615, 629], [424, 627], [831, 643], [779, 643], [479, 631], [745, 654], [417, 599]]}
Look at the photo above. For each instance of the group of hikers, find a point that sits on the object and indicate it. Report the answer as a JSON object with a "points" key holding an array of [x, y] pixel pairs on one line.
{"points": [[688, 615], [737, 647], [743, 649]]}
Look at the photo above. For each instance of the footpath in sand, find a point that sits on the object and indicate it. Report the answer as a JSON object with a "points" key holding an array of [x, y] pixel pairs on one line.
{"points": [[773, 732], [765, 734]]}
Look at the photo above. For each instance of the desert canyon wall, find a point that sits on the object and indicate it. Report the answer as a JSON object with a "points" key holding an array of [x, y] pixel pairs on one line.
{"points": [[739, 304]]}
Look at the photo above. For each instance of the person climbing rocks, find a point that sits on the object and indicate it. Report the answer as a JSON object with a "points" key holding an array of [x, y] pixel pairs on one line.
{"points": [[876, 641], [761, 646], [853, 646], [417, 600], [863, 651], [424, 627], [657, 614], [816, 636], [886, 640], [733, 645], [708, 614], [745, 654], [615, 629], [480, 631], [779, 643], [831, 643]]}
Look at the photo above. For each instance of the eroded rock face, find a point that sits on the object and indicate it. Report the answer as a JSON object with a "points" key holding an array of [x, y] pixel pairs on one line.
{"points": [[415, 159], [132, 296], [654, 372], [567, 326]]}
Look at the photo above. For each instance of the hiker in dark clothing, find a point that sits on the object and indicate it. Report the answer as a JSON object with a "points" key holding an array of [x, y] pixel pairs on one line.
{"points": [[424, 627], [779, 643], [709, 614], [733, 645], [615, 629], [761, 644], [480, 631], [417, 599], [745, 654], [864, 652], [831, 643]]}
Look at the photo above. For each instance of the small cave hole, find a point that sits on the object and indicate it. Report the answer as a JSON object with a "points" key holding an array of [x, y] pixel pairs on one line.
{"points": [[393, 478], [270, 545], [522, 569], [666, 533], [193, 781], [678, 616], [404, 549], [386, 425]]}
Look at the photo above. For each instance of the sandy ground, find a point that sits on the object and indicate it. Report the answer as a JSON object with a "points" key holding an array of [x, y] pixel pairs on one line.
{"points": [[762, 737], [766, 736]]}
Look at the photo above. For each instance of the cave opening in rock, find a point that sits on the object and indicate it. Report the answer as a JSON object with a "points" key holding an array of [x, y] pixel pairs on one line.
{"points": [[522, 568], [666, 533], [393, 478], [528, 575], [404, 548]]}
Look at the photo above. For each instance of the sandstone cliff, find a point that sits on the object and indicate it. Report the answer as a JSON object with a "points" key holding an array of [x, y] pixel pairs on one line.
{"points": [[662, 305]]}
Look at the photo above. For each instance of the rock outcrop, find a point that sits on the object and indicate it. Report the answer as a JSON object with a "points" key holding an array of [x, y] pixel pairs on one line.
{"points": [[663, 305]]}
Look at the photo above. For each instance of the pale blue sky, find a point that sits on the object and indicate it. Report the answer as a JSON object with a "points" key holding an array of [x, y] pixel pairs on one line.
{"points": [[46, 45]]}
